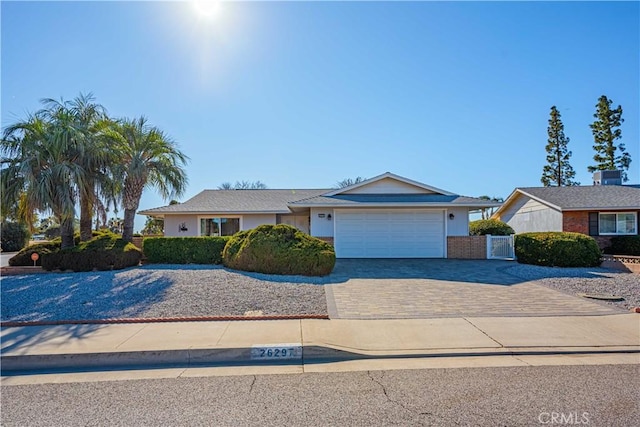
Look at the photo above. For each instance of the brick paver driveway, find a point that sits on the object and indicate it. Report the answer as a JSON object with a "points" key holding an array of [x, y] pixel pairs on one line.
{"points": [[427, 288]]}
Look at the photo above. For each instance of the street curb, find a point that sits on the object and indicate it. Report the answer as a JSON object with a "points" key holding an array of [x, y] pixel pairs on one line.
{"points": [[14, 324], [188, 358]]}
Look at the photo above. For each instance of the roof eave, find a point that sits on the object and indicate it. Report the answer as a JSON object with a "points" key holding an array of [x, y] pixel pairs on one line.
{"points": [[395, 205], [262, 212]]}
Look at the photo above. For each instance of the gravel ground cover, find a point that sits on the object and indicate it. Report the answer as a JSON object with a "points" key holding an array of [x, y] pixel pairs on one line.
{"points": [[574, 281], [158, 291]]}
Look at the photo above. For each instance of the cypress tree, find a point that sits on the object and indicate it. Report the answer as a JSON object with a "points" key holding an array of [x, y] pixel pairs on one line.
{"points": [[557, 172], [606, 130]]}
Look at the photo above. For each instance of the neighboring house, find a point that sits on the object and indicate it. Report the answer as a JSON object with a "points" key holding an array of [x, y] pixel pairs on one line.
{"points": [[383, 217], [600, 211]]}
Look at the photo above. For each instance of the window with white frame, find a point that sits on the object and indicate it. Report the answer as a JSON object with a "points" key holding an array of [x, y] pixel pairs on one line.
{"points": [[219, 226], [618, 223]]}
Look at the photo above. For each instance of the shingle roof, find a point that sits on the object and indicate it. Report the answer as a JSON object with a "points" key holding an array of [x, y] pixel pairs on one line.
{"points": [[587, 197], [237, 201], [393, 199]]}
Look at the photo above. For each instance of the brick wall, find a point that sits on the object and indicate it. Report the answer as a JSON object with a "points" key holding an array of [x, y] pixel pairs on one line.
{"points": [[467, 247], [576, 222]]}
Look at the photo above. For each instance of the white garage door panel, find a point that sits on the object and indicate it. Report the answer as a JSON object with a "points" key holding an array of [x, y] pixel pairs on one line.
{"points": [[388, 233]]}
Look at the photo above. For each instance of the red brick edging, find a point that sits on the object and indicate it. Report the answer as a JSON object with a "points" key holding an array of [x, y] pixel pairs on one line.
{"points": [[10, 324]]}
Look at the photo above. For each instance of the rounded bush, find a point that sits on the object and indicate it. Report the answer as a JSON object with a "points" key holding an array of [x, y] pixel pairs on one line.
{"points": [[15, 236], [279, 249], [23, 258], [105, 251], [494, 227], [557, 249]]}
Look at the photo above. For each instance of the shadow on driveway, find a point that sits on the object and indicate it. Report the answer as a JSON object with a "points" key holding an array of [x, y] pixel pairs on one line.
{"points": [[492, 272]]}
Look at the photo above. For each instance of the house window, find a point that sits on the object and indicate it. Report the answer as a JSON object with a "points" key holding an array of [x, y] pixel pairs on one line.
{"points": [[219, 226], [618, 223]]}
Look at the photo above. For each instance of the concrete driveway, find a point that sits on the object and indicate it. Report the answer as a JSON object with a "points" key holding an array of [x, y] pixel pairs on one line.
{"points": [[432, 288]]}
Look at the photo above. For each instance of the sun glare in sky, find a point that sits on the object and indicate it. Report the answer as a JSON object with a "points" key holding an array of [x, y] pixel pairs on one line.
{"points": [[206, 9]]}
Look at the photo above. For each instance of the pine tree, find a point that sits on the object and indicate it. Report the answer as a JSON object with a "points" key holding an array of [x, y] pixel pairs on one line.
{"points": [[606, 130], [558, 172]]}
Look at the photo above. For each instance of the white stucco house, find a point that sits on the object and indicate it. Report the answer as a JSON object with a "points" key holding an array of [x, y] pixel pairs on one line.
{"points": [[387, 216]]}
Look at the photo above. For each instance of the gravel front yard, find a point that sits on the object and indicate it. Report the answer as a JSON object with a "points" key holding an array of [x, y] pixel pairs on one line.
{"points": [[157, 291], [192, 290], [574, 281]]}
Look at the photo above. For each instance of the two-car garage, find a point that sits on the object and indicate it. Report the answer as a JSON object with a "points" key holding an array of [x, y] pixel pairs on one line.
{"points": [[389, 233]]}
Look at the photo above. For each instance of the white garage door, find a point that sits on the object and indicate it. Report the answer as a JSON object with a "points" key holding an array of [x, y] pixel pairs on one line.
{"points": [[389, 233]]}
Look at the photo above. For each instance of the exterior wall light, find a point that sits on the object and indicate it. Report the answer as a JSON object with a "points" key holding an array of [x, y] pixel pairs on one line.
{"points": [[329, 217], [451, 216], [183, 227]]}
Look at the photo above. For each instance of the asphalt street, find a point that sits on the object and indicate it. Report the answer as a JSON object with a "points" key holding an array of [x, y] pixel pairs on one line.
{"points": [[603, 395], [4, 258]]}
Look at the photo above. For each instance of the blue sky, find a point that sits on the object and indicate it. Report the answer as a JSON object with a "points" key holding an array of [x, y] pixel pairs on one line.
{"points": [[452, 94]]}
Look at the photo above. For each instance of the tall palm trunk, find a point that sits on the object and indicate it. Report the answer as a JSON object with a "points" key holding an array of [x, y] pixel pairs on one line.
{"points": [[129, 219], [133, 188], [86, 216], [66, 232]]}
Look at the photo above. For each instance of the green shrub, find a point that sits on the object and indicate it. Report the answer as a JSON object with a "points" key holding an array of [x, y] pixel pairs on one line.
{"points": [[23, 257], [557, 249], [624, 245], [184, 250], [13, 236], [279, 249], [105, 251], [494, 227]]}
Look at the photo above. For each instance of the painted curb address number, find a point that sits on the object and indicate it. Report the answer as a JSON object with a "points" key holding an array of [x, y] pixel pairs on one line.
{"points": [[276, 352]]}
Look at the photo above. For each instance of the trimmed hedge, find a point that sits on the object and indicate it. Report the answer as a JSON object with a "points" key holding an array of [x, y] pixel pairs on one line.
{"points": [[557, 249], [624, 245], [494, 227], [106, 251], [184, 250], [13, 236], [279, 249]]}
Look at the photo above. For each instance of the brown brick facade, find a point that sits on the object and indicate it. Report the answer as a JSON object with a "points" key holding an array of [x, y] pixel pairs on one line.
{"points": [[576, 222], [467, 247]]}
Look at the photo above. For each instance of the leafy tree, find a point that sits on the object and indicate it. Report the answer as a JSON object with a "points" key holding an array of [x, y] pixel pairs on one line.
{"points": [[557, 172], [153, 226], [148, 158], [14, 236], [487, 212], [606, 130], [243, 185], [115, 225], [350, 181]]}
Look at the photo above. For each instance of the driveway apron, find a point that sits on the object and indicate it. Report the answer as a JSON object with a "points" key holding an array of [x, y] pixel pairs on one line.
{"points": [[432, 288]]}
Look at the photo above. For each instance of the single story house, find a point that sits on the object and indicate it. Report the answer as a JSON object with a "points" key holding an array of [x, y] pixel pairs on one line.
{"points": [[387, 216], [600, 211]]}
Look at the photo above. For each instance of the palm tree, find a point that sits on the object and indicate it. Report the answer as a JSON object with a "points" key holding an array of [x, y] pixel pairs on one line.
{"points": [[37, 165], [147, 158], [88, 119]]}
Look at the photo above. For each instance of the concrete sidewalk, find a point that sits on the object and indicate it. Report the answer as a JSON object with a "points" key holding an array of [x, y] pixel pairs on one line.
{"points": [[313, 342]]}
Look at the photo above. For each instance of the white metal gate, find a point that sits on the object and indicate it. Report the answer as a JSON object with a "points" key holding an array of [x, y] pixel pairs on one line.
{"points": [[500, 247]]}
